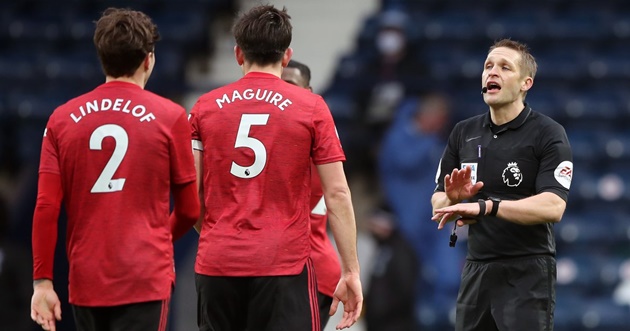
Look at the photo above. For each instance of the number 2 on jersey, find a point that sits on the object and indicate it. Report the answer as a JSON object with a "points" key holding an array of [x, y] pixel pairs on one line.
{"points": [[105, 183], [244, 140]]}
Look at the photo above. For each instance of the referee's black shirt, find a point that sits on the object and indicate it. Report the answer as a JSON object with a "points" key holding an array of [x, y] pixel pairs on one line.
{"points": [[526, 156]]}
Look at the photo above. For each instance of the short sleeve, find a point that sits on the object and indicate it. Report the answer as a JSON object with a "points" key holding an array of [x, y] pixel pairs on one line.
{"points": [[449, 160], [193, 120], [182, 162], [49, 157], [556, 162], [326, 144]]}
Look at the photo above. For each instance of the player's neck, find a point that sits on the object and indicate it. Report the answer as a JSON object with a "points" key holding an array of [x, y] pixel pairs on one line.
{"points": [[139, 78], [131, 80], [274, 69]]}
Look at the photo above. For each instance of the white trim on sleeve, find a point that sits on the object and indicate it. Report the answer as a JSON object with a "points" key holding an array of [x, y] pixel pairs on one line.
{"points": [[197, 145]]}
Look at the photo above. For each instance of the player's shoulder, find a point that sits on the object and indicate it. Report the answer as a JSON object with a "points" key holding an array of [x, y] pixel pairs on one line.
{"points": [[217, 92], [72, 104], [163, 101], [302, 96]]}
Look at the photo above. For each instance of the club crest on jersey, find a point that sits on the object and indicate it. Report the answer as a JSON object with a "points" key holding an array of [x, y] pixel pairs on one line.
{"points": [[512, 175]]}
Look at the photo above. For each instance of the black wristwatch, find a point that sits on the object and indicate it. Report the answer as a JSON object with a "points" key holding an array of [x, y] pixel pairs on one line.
{"points": [[482, 207], [495, 206]]}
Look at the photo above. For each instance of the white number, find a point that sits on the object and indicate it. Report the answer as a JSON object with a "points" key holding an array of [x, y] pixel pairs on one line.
{"points": [[320, 208], [105, 183], [244, 140]]}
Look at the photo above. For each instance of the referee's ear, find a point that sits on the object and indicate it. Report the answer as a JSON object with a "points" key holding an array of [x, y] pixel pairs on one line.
{"points": [[527, 84]]}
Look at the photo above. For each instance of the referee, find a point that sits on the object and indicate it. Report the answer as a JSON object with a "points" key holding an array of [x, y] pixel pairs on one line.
{"points": [[507, 173]]}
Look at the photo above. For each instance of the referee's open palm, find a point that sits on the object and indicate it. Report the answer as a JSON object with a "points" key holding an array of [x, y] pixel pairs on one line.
{"points": [[459, 187], [348, 292]]}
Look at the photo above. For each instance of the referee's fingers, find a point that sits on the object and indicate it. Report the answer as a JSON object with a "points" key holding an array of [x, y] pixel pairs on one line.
{"points": [[444, 219]]}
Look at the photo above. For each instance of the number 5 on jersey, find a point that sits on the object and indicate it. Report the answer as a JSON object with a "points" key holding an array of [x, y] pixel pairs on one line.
{"points": [[244, 140]]}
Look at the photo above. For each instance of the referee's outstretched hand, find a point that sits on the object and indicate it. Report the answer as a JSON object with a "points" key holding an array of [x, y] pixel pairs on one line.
{"points": [[458, 186], [348, 292]]}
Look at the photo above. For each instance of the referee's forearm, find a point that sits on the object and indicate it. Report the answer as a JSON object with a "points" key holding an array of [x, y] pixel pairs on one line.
{"points": [[545, 207], [440, 200]]}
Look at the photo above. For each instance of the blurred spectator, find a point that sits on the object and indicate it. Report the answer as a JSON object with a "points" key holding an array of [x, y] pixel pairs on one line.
{"points": [[389, 303], [15, 276], [388, 71], [408, 159]]}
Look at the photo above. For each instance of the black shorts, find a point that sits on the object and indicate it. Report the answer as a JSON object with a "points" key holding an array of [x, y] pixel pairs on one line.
{"points": [[144, 316], [508, 295], [324, 309], [272, 303]]}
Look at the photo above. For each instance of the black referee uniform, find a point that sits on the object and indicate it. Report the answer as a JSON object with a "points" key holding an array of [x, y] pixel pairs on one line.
{"points": [[508, 282]]}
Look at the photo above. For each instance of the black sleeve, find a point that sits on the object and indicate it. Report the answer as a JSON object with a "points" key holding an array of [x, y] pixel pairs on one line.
{"points": [[450, 158], [556, 161]]}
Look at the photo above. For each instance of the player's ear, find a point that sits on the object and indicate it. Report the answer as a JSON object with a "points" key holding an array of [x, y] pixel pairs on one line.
{"points": [[240, 56], [148, 59], [287, 57]]}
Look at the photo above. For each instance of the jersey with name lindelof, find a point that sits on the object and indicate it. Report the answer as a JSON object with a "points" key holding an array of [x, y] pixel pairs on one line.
{"points": [[118, 149]]}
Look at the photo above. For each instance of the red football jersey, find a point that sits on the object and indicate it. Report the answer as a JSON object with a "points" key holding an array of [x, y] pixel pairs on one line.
{"points": [[258, 136], [325, 260], [118, 149]]}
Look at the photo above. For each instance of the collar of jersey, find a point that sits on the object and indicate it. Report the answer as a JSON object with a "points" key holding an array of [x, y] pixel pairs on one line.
{"points": [[513, 124], [119, 83], [260, 74]]}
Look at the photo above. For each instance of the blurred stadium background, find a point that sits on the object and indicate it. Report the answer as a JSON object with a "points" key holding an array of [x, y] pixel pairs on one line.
{"points": [[582, 48]]}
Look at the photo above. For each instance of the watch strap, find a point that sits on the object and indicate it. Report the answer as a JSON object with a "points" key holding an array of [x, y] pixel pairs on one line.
{"points": [[495, 207], [482, 207]]}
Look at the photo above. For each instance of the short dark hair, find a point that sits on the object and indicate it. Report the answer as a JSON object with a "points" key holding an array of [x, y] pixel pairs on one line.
{"points": [[528, 62], [123, 38], [303, 68], [263, 33]]}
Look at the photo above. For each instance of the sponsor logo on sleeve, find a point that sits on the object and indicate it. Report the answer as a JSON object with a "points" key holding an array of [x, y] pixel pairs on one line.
{"points": [[564, 173]]}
